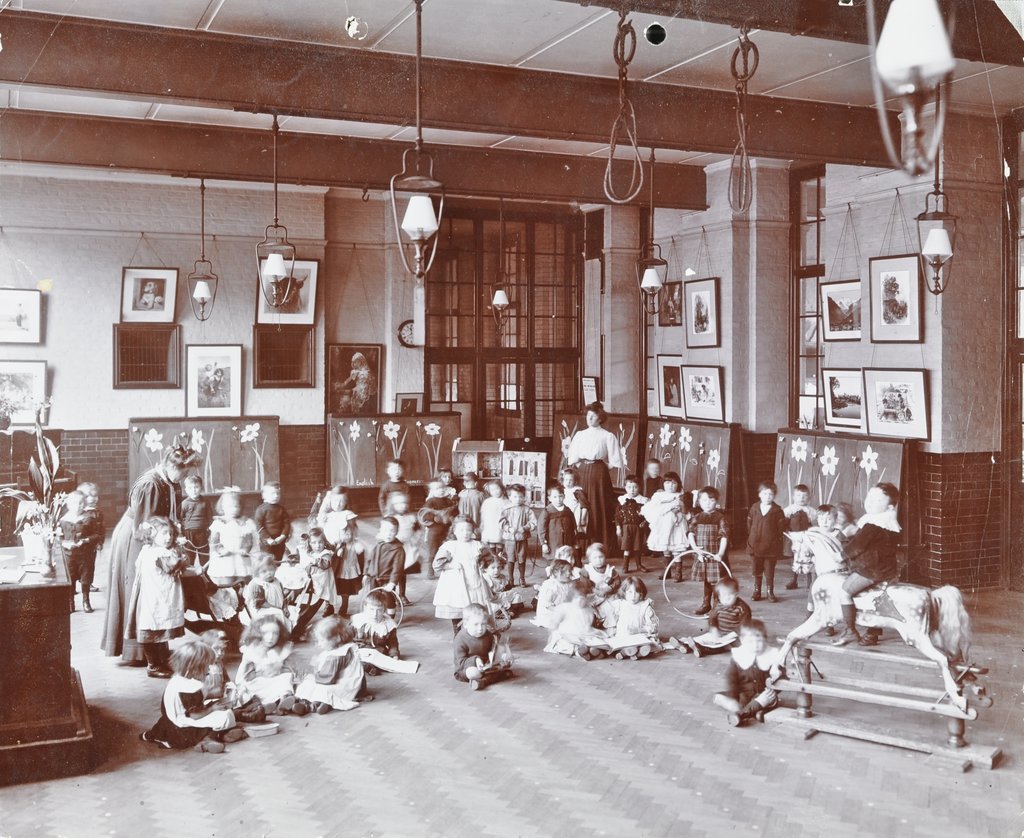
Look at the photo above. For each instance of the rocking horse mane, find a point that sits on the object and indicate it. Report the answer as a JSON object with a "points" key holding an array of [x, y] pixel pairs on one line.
{"points": [[950, 623]]}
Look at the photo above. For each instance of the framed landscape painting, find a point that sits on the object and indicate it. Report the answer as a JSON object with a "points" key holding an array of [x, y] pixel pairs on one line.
{"points": [[702, 322], [840, 310], [213, 383], [148, 295], [702, 393], [896, 403], [844, 398], [896, 298]]}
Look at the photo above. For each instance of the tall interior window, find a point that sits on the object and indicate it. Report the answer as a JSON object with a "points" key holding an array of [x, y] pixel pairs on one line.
{"points": [[509, 379], [807, 202]]}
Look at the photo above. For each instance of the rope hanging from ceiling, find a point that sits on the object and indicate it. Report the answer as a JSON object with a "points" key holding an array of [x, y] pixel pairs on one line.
{"points": [[744, 63], [625, 121]]}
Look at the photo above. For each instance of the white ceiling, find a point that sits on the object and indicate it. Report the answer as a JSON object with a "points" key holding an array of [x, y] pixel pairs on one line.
{"points": [[535, 34]]}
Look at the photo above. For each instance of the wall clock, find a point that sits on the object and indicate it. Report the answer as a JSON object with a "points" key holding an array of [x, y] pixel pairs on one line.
{"points": [[405, 333]]}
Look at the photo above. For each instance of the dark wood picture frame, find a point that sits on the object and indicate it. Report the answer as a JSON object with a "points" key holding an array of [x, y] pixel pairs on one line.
{"points": [[349, 391], [701, 302], [839, 410], [897, 299], [837, 324], [301, 307], [147, 356], [670, 304], [283, 356], [21, 315], [904, 411]]}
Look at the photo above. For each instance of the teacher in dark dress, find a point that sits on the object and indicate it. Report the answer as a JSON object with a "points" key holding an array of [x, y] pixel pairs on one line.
{"points": [[155, 492], [593, 451]]}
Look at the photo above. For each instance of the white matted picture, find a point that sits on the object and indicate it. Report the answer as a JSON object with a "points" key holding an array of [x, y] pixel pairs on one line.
{"points": [[670, 387], [840, 310], [148, 295], [300, 307], [702, 326], [20, 315], [213, 384], [896, 297], [896, 403], [702, 393], [844, 397], [23, 388]]}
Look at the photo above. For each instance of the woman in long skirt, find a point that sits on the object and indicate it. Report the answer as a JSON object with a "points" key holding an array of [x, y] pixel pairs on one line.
{"points": [[593, 451]]}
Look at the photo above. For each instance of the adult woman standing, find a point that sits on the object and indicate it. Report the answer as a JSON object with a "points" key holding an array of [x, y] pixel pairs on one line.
{"points": [[155, 492], [593, 451]]}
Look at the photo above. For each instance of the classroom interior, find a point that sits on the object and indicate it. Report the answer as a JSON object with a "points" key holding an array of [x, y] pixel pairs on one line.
{"points": [[793, 333]]}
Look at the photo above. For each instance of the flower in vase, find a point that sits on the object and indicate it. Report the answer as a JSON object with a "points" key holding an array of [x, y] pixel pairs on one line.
{"points": [[869, 461], [685, 438], [353, 430], [153, 440], [197, 441], [250, 432], [391, 430], [714, 458], [828, 460], [665, 435], [799, 450], [433, 429]]}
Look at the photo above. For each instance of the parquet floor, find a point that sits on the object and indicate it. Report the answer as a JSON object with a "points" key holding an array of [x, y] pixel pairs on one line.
{"points": [[567, 748]]}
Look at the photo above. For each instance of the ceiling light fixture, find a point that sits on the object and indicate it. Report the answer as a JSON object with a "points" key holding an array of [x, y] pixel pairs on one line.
{"points": [[651, 268], [419, 222], [500, 302], [275, 255], [202, 282], [936, 236]]}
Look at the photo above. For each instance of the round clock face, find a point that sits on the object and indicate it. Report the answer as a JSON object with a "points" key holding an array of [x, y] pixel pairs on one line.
{"points": [[405, 333]]}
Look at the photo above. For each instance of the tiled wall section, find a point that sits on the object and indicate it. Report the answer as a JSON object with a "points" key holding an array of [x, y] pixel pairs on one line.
{"points": [[961, 517]]}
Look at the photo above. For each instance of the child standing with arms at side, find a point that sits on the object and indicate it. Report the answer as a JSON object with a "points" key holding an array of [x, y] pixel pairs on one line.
{"points": [[385, 567], [709, 537], [196, 518], [460, 583], [90, 510], [629, 524], [471, 499], [557, 524], [79, 535], [666, 518], [800, 516], [766, 524], [490, 515], [578, 502], [518, 523], [233, 540], [273, 522], [394, 483], [408, 528]]}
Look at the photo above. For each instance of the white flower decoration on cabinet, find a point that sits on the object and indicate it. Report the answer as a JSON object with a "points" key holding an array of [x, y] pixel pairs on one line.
{"points": [[153, 440]]}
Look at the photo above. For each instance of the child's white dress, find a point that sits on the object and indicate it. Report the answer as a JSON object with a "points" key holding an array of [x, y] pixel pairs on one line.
{"points": [[490, 519], [460, 581], [664, 512], [572, 626], [232, 541], [338, 526], [262, 673], [157, 610], [318, 567], [337, 678], [637, 618], [552, 594]]}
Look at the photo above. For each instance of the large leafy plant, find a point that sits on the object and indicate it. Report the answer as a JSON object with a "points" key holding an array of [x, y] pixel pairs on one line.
{"points": [[39, 508]]}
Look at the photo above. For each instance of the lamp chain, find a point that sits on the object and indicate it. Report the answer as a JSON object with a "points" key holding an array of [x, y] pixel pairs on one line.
{"points": [[202, 219], [419, 94], [275, 130], [741, 184], [623, 51]]}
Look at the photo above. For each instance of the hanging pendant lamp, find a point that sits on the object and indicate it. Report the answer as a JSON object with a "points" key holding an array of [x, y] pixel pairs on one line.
{"points": [[651, 268], [500, 302], [202, 282], [275, 255]]}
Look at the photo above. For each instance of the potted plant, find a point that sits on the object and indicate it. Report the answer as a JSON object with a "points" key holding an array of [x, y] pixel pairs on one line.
{"points": [[39, 508], [7, 409]]}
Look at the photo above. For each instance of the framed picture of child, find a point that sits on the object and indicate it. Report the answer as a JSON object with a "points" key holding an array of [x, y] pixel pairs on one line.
{"points": [[148, 295], [896, 403], [300, 307], [702, 326], [213, 380], [353, 379], [670, 304], [702, 393], [670, 387]]}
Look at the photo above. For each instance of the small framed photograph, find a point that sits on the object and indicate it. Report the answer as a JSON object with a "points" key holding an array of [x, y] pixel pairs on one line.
{"points": [[148, 295], [896, 403], [20, 315], [23, 384], [702, 325], [844, 397], [300, 309], [213, 385], [896, 299], [353, 378], [702, 393], [670, 304], [591, 389], [840, 310], [670, 387], [408, 404]]}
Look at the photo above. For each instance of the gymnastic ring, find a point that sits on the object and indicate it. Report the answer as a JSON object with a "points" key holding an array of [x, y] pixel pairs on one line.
{"points": [[664, 584], [400, 612]]}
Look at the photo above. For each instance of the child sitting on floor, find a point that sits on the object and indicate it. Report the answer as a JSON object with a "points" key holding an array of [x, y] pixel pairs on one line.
{"points": [[636, 619], [606, 580], [263, 673], [747, 694], [571, 625], [376, 629], [264, 593], [500, 599], [727, 615], [554, 591], [474, 651], [337, 681]]}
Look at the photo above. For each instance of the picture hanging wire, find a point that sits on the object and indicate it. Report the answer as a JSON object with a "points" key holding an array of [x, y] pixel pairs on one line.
{"points": [[839, 259], [704, 255], [623, 51], [896, 215], [741, 181]]}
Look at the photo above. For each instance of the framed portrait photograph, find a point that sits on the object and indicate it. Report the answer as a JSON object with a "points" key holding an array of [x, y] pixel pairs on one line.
{"points": [[840, 310], [702, 393], [353, 378], [896, 299], [702, 322], [213, 380], [670, 387], [844, 397], [670, 304], [20, 315], [300, 309], [408, 404], [148, 295], [23, 384], [896, 403]]}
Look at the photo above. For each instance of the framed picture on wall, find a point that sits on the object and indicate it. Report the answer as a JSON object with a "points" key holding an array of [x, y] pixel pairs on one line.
{"points": [[20, 315], [896, 403], [148, 295], [670, 304], [896, 299], [213, 380], [702, 393], [408, 404], [300, 309], [23, 385], [840, 310], [591, 389], [844, 397], [670, 387], [353, 378], [702, 322]]}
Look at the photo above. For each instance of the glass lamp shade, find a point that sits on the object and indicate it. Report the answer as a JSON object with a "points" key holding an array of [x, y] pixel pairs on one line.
{"points": [[274, 267], [202, 290], [913, 49], [419, 222], [275, 259], [500, 300], [937, 237], [651, 282]]}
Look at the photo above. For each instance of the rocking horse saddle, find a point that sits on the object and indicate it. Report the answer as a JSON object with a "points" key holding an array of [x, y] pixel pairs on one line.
{"points": [[876, 600]]}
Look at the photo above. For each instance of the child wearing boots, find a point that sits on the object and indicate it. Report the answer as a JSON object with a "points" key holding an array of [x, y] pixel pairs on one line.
{"points": [[747, 694], [766, 523], [518, 523], [385, 567], [196, 518], [800, 516], [273, 522], [629, 524], [557, 524], [709, 538], [79, 535]]}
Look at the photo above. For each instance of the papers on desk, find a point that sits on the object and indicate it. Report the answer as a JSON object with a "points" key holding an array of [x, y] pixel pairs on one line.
{"points": [[11, 576]]}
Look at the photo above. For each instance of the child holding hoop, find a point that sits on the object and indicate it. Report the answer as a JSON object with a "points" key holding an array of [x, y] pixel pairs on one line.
{"points": [[709, 537]]}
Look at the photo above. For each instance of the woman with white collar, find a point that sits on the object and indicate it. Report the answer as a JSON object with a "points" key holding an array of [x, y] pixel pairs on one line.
{"points": [[593, 451]]}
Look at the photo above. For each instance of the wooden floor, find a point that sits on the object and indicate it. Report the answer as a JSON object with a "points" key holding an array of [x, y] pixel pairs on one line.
{"points": [[566, 748]]}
